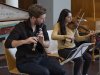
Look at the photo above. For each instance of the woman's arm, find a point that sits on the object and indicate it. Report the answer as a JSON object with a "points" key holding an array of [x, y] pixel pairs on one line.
{"points": [[55, 35], [82, 38]]}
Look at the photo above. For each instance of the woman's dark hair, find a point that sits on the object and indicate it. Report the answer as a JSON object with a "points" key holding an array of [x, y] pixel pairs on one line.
{"points": [[61, 20], [36, 10]]}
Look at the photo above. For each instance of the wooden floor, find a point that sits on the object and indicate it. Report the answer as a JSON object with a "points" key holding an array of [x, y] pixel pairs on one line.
{"points": [[93, 70]]}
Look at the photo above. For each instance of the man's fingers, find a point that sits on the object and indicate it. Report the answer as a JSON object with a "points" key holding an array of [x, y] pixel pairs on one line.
{"points": [[35, 38]]}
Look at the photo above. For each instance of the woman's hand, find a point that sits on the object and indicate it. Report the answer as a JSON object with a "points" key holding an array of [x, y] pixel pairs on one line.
{"points": [[91, 33], [70, 39]]}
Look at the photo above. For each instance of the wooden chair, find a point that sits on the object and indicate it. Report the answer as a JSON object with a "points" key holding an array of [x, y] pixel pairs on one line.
{"points": [[11, 62]]}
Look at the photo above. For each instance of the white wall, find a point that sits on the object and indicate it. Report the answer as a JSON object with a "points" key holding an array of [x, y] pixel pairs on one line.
{"points": [[54, 8], [12, 2], [48, 4], [58, 5]]}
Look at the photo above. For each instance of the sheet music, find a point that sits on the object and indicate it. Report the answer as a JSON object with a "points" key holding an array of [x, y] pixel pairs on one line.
{"points": [[78, 53]]}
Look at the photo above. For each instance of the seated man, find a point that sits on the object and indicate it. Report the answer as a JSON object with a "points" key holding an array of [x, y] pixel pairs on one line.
{"points": [[30, 37]]}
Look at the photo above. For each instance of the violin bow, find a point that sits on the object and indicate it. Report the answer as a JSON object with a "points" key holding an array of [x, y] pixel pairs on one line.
{"points": [[80, 21], [93, 55]]}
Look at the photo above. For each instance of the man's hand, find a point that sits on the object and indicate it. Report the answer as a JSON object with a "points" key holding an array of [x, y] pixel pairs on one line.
{"points": [[40, 37], [31, 40], [16, 43]]}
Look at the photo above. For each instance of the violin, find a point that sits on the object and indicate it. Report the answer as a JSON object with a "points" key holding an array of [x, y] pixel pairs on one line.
{"points": [[76, 22]]}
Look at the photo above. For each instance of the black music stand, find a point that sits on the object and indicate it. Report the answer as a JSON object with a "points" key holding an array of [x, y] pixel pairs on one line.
{"points": [[78, 53]]}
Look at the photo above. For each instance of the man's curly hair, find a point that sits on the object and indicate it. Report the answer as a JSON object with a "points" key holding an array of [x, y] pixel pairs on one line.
{"points": [[36, 10]]}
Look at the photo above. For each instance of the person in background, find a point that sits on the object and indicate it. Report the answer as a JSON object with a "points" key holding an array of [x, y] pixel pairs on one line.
{"points": [[30, 37], [65, 33]]}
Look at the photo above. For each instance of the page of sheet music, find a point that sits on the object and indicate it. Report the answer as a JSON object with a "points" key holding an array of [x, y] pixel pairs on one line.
{"points": [[81, 49], [78, 53]]}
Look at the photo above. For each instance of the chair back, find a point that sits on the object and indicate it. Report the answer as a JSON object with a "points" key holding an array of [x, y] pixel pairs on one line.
{"points": [[11, 60], [53, 44]]}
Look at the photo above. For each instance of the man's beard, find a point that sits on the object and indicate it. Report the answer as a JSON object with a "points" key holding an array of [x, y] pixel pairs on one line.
{"points": [[37, 23]]}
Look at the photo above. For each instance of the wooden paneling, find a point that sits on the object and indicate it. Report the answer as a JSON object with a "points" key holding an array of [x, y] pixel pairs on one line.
{"points": [[90, 23], [24, 4], [88, 7], [2, 1], [97, 8]]}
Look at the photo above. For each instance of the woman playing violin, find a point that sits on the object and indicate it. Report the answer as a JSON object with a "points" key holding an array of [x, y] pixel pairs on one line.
{"points": [[66, 34]]}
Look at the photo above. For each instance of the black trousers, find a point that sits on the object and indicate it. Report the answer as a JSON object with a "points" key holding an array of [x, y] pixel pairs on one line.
{"points": [[41, 66], [85, 59]]}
